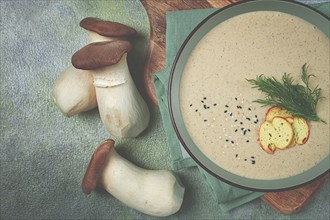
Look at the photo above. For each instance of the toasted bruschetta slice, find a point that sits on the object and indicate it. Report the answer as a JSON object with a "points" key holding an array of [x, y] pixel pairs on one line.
{"points": [[276, 111], [275, 134], [301, 130]]}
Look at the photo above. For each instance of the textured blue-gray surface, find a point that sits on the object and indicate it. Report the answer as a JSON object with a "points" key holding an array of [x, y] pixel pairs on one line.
{"points": [[44, 154]]}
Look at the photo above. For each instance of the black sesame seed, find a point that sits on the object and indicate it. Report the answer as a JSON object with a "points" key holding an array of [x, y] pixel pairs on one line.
{"points": [[204, 98], [236, 155], [227, 140], [241, 123], [190, 105], [249, 109], [247, 141], [245, 159], [248, 119], [202, 101], [207, 107], [236, 120], [239, 107], [226, 106], [205, 120], [232, 142], [253, 161], [215, 104], [196, 110], [242, 129], [231, 114], [235, 98], [256, 116], [225, 111], [248, 130], [252, 157], [236, 130], [204, 106]]}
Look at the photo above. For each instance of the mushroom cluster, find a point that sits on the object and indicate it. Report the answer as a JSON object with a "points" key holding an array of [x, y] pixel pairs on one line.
{"points": [[100, 77]]}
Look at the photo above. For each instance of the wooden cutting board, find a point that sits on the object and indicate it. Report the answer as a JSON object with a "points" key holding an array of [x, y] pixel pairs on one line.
{"points": [[292, 201], [285, 202]]}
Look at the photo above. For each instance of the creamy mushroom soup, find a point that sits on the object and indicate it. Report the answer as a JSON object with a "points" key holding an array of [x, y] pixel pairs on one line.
{"points": [[217, 102]]}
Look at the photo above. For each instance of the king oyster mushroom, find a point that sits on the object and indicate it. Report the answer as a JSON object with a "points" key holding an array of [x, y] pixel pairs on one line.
{"points": [[122, 109], [74, 91], [153, 192]]}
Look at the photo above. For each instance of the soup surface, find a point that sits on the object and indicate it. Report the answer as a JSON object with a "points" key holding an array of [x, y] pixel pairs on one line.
{"points": [[217, 104]]}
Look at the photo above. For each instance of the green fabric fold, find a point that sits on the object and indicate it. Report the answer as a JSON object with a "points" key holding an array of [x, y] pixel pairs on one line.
{"points": [[179, 26]]}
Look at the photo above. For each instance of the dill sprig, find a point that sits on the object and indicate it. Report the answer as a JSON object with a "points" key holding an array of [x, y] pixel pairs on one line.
{"points": [[300, 100]]}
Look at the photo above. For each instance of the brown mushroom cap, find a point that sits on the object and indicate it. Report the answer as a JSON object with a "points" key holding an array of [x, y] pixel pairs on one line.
{"points": [[107, 28], [96, 165], [100, 54]]}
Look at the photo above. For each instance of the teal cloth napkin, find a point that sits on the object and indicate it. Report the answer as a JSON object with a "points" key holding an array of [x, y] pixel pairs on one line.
{"points": [[179, 25]]}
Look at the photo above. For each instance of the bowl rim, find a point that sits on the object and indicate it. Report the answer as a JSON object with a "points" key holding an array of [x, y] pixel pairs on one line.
{"points": [[298, 9]]}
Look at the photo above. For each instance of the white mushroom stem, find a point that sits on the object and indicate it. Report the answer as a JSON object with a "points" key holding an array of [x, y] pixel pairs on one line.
{"points": [[153, 192], [95, 37], [122, 109], [74, 91]]}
